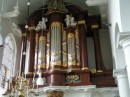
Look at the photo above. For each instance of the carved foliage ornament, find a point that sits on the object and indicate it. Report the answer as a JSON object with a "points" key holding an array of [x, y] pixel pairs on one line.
{"points": [[55, 94]]}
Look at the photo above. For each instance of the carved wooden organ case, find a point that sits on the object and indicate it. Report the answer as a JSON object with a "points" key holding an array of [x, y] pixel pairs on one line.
{"points": [[55, 45]]}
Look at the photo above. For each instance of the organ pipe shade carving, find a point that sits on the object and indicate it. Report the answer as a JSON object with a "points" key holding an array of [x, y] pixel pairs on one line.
{"points": [[55, 47], [48, 51], [77, 47], [36, 51], [64, 49], [41, 52], [71, 49], [56, 43]]}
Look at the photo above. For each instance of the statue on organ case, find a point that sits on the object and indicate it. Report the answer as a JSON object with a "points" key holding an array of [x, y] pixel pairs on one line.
{"points": [[70, 21], [67, 20], [41, 24]]}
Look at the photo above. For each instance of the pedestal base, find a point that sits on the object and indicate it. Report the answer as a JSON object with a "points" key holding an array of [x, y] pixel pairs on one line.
{"points": [[103, 79], [73, 78]]}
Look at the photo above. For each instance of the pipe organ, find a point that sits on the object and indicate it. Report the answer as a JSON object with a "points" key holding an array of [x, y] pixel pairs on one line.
{"points": [[55, 46]]}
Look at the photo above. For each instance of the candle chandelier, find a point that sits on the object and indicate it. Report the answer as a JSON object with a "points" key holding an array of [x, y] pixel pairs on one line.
{"points": [[20, 86]]}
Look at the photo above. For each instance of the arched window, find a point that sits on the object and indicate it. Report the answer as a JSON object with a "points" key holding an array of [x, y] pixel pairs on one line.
{"points": [[9, 56]]}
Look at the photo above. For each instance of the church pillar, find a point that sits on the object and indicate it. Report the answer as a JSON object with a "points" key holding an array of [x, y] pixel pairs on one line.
{"points": [[122, 79], [83, 46], [98, 54], [124, 41]]}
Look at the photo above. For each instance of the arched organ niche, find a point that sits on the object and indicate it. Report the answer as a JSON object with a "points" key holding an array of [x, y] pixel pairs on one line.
{"points": [[55, 45]]}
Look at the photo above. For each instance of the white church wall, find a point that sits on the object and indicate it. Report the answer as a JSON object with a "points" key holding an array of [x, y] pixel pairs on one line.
{"points": [[7, 28], [125, 15], [119, 56], [4, 31], [114, 20]]}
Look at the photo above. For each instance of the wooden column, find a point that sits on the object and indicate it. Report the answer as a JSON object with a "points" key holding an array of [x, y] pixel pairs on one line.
{"points": [[83, 42], [55, 78], [98, 54], [31, 33], [23, 52], [23, 49]]}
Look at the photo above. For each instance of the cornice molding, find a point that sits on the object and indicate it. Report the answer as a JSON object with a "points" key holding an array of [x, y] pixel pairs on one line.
{"points": [[96, 2], [123, 40], [120, 73]]}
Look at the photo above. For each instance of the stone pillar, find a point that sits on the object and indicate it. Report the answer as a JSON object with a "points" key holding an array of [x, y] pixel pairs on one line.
{"points": [[122, 80], [55, 94], [125, 44]]}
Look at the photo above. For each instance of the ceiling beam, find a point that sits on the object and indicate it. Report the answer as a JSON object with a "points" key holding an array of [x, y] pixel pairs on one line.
{"points": [[96, 2]]}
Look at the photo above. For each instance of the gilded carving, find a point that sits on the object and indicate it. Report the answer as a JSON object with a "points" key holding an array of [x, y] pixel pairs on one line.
{"points": [[72, 79], [70, 35], [58, 63], [81, 22], [55, 69], [64, 64], [95, 71], [36, 38], [41, 66], [64, 53], [85, 68], [78, 64], [31, 28], [48, 37], [72, 63], [47, 66], [76, 34], [71, 55], [56, 24], [64, 43], [55, 94], [94, 26], [56, 53], [99, 70], [42, 39]]}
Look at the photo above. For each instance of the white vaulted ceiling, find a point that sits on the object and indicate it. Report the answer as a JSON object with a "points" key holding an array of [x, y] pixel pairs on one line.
{"points": [[35, 4]]}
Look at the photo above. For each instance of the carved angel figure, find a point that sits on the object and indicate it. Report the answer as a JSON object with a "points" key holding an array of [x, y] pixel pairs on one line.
{"points": [[72, 21], [44, 20], [67, 20], [41, 24]]}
